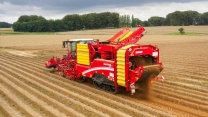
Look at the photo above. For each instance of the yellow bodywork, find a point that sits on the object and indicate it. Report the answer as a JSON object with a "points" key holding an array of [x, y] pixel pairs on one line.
{"points": [[122, 35], [83, 54], [121, 77], [126, 35]]}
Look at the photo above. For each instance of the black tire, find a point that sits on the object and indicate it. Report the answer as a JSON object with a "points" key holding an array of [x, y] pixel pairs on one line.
{"points": [[82, 79], [113, 90]]}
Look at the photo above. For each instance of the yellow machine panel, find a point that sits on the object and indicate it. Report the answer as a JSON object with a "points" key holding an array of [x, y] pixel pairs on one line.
{"points": [[83, 54], [121, 36], [126, 35], [121, 77]]}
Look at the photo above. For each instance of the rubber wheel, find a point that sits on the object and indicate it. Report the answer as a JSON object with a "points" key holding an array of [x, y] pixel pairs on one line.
{"points": [[81, 80], [113, 89]]}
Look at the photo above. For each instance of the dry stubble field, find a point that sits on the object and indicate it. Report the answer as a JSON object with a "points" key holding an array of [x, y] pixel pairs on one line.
{"points": [[28, 89]]}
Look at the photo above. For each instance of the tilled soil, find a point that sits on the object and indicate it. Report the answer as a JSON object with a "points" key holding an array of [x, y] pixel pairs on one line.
{"points": [[81, 100], [28, 89]]}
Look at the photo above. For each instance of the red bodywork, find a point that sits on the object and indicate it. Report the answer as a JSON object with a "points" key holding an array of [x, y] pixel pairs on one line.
{"points": [[106, 63]]}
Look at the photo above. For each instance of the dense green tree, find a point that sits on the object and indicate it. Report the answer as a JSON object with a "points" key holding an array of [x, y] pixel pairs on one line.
{"points": [[5, 25], [121, 21], [68, 21], [202, 19], [115, 20], [34, 23], [190, 17], [128, 19], [205, 18], [23, 18], [27, 18], [43, 26], [90, 21], [32, 26], [138, 21], [145, 23], [97, 21], [50, 26], [58, 25], [179, 18], [24, 26], [133, 23], [16, 26], [125, 21], [73, 22], [175, 19], [105, 19], [156, 21]]}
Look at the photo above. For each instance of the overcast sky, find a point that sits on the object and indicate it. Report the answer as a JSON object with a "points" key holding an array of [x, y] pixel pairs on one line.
{"points": [[10, 10]]}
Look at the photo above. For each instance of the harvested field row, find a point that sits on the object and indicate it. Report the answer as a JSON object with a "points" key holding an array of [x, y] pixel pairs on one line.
{"points": [[185, 85], [193, 72], [64, 100], [27, 88], [33, 76], [36, 99], [26, 110], [182, 97], [42, 71], [182, 91], [182, 100], [187, 65], [185, 79], [28, 64]]}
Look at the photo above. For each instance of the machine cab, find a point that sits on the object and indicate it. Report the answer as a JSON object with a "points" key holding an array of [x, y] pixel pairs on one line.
{"points": [[71, 45]]}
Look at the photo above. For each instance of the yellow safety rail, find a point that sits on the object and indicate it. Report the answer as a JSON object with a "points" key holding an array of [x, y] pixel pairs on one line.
{"points": [[83, 54], [122, 35], [126, 35]]}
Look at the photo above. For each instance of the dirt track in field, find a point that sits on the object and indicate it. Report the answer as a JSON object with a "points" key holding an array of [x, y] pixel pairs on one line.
{"points": [[29, 89]]}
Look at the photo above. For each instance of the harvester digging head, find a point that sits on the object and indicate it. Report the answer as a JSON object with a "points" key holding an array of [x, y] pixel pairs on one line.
{"points": [[151, 71], [145, 82]]}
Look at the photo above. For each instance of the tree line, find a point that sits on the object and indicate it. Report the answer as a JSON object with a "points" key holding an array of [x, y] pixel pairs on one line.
{"points": [[5, 25], [177, 18], [180, 18], [67, 23], [72, 22]]}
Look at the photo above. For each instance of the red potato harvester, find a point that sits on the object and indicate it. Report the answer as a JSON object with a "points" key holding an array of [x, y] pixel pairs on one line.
{"points": [[117, 62]]}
